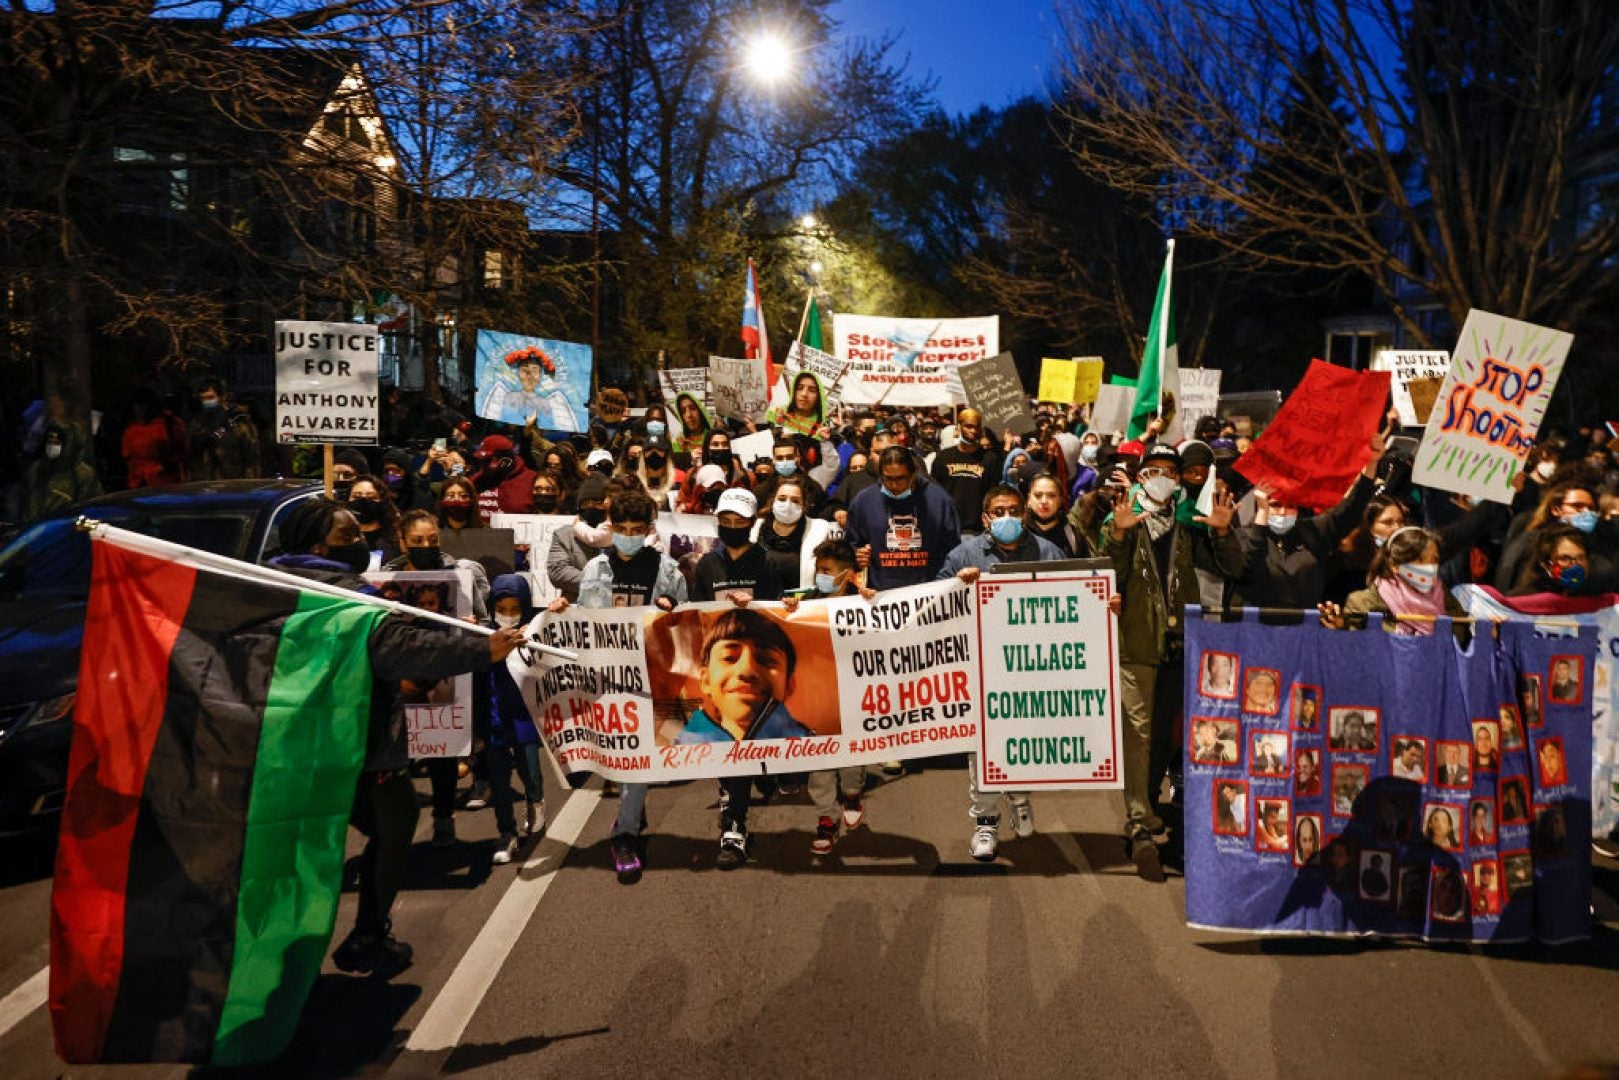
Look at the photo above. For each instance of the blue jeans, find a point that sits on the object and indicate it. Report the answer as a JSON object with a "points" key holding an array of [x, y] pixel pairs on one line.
{"points": [[631, 810]]}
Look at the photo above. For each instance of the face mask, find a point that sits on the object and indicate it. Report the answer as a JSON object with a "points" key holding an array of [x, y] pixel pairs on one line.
{"points": [[340, 488], [629, 546], [458, 511], [786, 468], [710, 501], [1282, 524], [1087, 454], [211, 405], [1006, 530], [508, 622], [722, 458], [901, 497], [1379, 541], [369, 511], [425, 558], [457, 469], [1544, 470], [1420, 576], [355, 556], [786, 511], [53, 452], [1571, 577], [1585, 521], [655, 428], [826, 584], [393, 480], [593, 516], [545, 504], [1160, 488], [735, 536], [604, 468], [655, 462]]}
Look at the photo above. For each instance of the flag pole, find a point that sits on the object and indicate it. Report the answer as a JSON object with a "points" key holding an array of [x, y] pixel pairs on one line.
{"points": [[803, 320], [1163, 323], [269, 575]]}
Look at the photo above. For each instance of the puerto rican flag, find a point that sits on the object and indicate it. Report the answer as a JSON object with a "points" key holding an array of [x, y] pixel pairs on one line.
{"points": [[755, 341]]}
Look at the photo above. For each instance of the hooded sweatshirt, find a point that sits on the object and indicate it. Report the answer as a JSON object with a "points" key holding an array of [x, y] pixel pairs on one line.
{"points": [[499, 702], [910, 537]]}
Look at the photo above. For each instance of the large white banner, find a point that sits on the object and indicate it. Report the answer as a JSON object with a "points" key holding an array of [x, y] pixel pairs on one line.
{"points": [[884, 339], [437, 711], [1484, 424], [326, 383], [1050, 686]]}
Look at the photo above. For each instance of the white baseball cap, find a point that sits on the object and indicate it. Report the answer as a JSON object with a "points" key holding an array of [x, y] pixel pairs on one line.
{"points": [[597, 456], [738, 501]]}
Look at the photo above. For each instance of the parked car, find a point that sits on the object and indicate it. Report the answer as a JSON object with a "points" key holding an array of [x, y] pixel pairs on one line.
{"points": [[44, 588]]}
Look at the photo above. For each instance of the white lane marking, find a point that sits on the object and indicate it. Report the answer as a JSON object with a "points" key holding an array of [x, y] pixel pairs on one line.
{"points": [[1521, 1024], [463, 992], [17, 1005]]}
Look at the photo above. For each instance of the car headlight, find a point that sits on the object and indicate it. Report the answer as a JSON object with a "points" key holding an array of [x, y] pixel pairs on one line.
{"points": [[50, 709]]}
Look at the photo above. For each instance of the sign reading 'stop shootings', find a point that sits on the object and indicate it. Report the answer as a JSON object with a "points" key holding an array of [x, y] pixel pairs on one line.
{"points": [[326, 382]]}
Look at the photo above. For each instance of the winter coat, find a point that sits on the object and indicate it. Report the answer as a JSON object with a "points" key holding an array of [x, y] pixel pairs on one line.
{"points": [[1289, 571], [224, 445], [910, 538], [1152, 622]]}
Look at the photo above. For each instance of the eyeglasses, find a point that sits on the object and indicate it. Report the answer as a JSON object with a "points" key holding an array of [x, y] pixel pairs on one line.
{"points": [[1561, 561]]}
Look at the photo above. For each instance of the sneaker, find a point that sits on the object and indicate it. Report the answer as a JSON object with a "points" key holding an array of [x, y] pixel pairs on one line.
{"points": [[1607, 846], [826, 834], [609, 789], [790, 785], [479, 798], [382, 956], [984, 840], [893, 768], [854, 812], [534, 821], [1022, 817], [733, 846], [627, 859], [506, 852], [1145, 854], [443, 831]]}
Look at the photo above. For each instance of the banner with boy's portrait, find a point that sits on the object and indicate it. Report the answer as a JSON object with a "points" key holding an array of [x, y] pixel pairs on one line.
{"points": [[1360, 782]]}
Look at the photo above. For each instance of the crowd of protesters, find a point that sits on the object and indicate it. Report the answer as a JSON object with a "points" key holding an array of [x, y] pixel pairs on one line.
{"points": [[817, 517]]}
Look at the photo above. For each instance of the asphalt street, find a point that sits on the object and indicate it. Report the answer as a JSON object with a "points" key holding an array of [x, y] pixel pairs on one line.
{"points": [[896, 956]]}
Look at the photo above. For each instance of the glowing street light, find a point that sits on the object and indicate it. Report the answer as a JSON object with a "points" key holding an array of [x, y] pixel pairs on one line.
{"points": [[768, 58], [808, 221]]}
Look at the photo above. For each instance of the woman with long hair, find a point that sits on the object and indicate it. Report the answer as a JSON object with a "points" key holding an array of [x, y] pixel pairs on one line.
{"points": [[458, 505], [373, 506], [1403, 586], [1048, 513], [1559, 563]]}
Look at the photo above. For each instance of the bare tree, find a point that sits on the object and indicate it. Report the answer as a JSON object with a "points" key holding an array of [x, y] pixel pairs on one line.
{"points": [[1427, 144]]}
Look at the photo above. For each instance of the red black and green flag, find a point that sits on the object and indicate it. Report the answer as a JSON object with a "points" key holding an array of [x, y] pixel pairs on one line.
{"points": [[219, 732]]}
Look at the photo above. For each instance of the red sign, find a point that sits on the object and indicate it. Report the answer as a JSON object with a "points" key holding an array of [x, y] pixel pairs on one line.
{"points": [[1321, 438]]}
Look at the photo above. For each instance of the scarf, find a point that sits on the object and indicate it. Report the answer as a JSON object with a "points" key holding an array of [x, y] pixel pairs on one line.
{"points": [[1402, 599]]}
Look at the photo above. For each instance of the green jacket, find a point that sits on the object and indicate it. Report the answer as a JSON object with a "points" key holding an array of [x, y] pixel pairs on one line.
{"points": [[1152, 621]]}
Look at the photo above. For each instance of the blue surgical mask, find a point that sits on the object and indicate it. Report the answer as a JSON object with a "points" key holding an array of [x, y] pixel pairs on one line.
{"points": [[1571, 577], [1379, 541], [1087, 454], [786, 468], [1282, 524], [654, 428], [1584, 520], [629, 546], [1007, 529], [826, 584], [1420, 576], [901, 497]]}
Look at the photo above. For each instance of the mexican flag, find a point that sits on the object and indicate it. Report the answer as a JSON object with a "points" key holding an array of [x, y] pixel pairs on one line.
{"points": [[1160, 362], [812, 325], [219, 733]]}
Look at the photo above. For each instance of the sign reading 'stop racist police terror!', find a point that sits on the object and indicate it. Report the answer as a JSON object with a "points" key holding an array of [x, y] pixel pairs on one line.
{"points": [[326, 383]]}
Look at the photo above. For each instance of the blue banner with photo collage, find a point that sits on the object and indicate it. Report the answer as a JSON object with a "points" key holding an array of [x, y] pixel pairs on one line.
{"points": [[1363, 782]]}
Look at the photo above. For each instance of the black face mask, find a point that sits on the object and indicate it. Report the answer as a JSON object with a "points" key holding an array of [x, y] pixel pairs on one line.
{"points": [[605, 468], [340, 489], [735, 536], [655, 462], [711, 500], [593, 517], [355, 556], [425, 558], [545, 504], [369, 511], [722, 458]]}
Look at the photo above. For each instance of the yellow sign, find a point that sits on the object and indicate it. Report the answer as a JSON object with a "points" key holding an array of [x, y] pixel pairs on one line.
{"points": [[1056, 381], [1087, 379]]}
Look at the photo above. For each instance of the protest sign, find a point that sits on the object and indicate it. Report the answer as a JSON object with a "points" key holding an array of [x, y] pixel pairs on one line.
{"points": [[1087, 378], [993, 388], [686, 538], [1362, 782], [1057, 378], [898, 387], [685, 397], [1321, 437], [528, 378], [326, 383], [1407, 366], [737, 388], [1250, 413], [531, 538], [1424, 394], [1200, 396], [858, 681], [438, 712], [1601, 612], [1049, 682], [906, 342], [807, 392], [1112, 410], [747, 449], [1501, 378]]}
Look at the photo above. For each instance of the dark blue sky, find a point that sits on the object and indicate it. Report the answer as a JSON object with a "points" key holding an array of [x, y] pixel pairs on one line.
{"points": [[982, 52]]}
